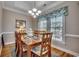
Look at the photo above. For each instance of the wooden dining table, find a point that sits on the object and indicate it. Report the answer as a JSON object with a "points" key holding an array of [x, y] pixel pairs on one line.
{"points": [[30, 43]]}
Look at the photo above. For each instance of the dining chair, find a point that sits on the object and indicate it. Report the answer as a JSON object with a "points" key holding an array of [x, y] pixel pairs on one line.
{"points": [[19, 46], [37, 32], [44, 49]]}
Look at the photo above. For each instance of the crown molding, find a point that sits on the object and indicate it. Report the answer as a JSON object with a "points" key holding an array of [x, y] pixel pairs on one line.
{"points": [[25, 12], [13, 9], [51, 7]]}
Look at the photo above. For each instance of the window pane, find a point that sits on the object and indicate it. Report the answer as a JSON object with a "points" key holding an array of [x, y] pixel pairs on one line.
{"points": [[42, 24], [52, 22], [56, 28]]}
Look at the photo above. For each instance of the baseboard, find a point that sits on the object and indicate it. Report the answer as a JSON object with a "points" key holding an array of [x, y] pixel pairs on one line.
{"points": [[7, 43], [67, 51]]}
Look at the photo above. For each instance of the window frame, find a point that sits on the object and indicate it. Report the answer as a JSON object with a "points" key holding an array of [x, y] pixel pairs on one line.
{"points": [[39, 20], [63, 28]]}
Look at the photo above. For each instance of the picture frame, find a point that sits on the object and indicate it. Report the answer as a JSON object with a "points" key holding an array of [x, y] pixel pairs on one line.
{"points": [[20, 23]]}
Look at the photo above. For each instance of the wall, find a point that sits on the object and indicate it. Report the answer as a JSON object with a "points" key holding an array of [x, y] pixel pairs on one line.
{"points": [[33, 22], [0, 20], [72, 27], [0, 26], [8, 25]]}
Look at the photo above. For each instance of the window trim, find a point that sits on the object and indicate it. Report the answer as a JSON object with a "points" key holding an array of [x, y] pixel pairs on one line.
{"points": [[63, 28]]}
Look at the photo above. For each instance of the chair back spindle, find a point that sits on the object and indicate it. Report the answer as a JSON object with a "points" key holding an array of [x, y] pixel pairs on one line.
{"points": [[46, 43]]}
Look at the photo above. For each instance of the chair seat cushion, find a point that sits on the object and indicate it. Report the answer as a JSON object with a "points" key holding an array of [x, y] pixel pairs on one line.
{"points": [[37, 51]]}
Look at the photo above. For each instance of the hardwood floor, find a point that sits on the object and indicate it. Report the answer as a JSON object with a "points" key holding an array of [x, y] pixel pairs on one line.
{"points": [[9, 51]]}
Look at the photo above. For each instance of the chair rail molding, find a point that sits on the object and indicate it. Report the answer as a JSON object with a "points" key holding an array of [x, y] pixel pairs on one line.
{"points": [[1, 34], [66, 35], [72, 35], [8, 33]]}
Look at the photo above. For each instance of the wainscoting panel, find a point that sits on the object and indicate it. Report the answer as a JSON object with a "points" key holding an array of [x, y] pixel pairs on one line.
{"points": [[71, 43], [9, 37]]}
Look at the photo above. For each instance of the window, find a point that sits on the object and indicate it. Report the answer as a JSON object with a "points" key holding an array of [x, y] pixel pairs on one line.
{"points": [[42, 24], [57, 27], [54, 22]]}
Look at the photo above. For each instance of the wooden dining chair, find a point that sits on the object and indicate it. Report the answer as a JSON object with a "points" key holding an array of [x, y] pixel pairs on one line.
{"points": [[19, 46], [37, 32], [45, 46]]}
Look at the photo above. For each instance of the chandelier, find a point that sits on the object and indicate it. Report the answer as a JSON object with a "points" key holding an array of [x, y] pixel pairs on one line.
{"points": [[34, 12]]}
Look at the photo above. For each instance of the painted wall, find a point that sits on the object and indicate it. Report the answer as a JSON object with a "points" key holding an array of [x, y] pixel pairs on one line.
{"points": [[33, 22], [8, 25], [72, 27], [0, 16], [0, 25], [0, 21]]}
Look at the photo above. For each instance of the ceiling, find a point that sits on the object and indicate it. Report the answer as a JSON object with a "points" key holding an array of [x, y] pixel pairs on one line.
{"points": [[24, 6]]}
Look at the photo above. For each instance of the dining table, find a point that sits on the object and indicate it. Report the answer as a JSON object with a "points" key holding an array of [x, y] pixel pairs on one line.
{"points": [[32, 41]]}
